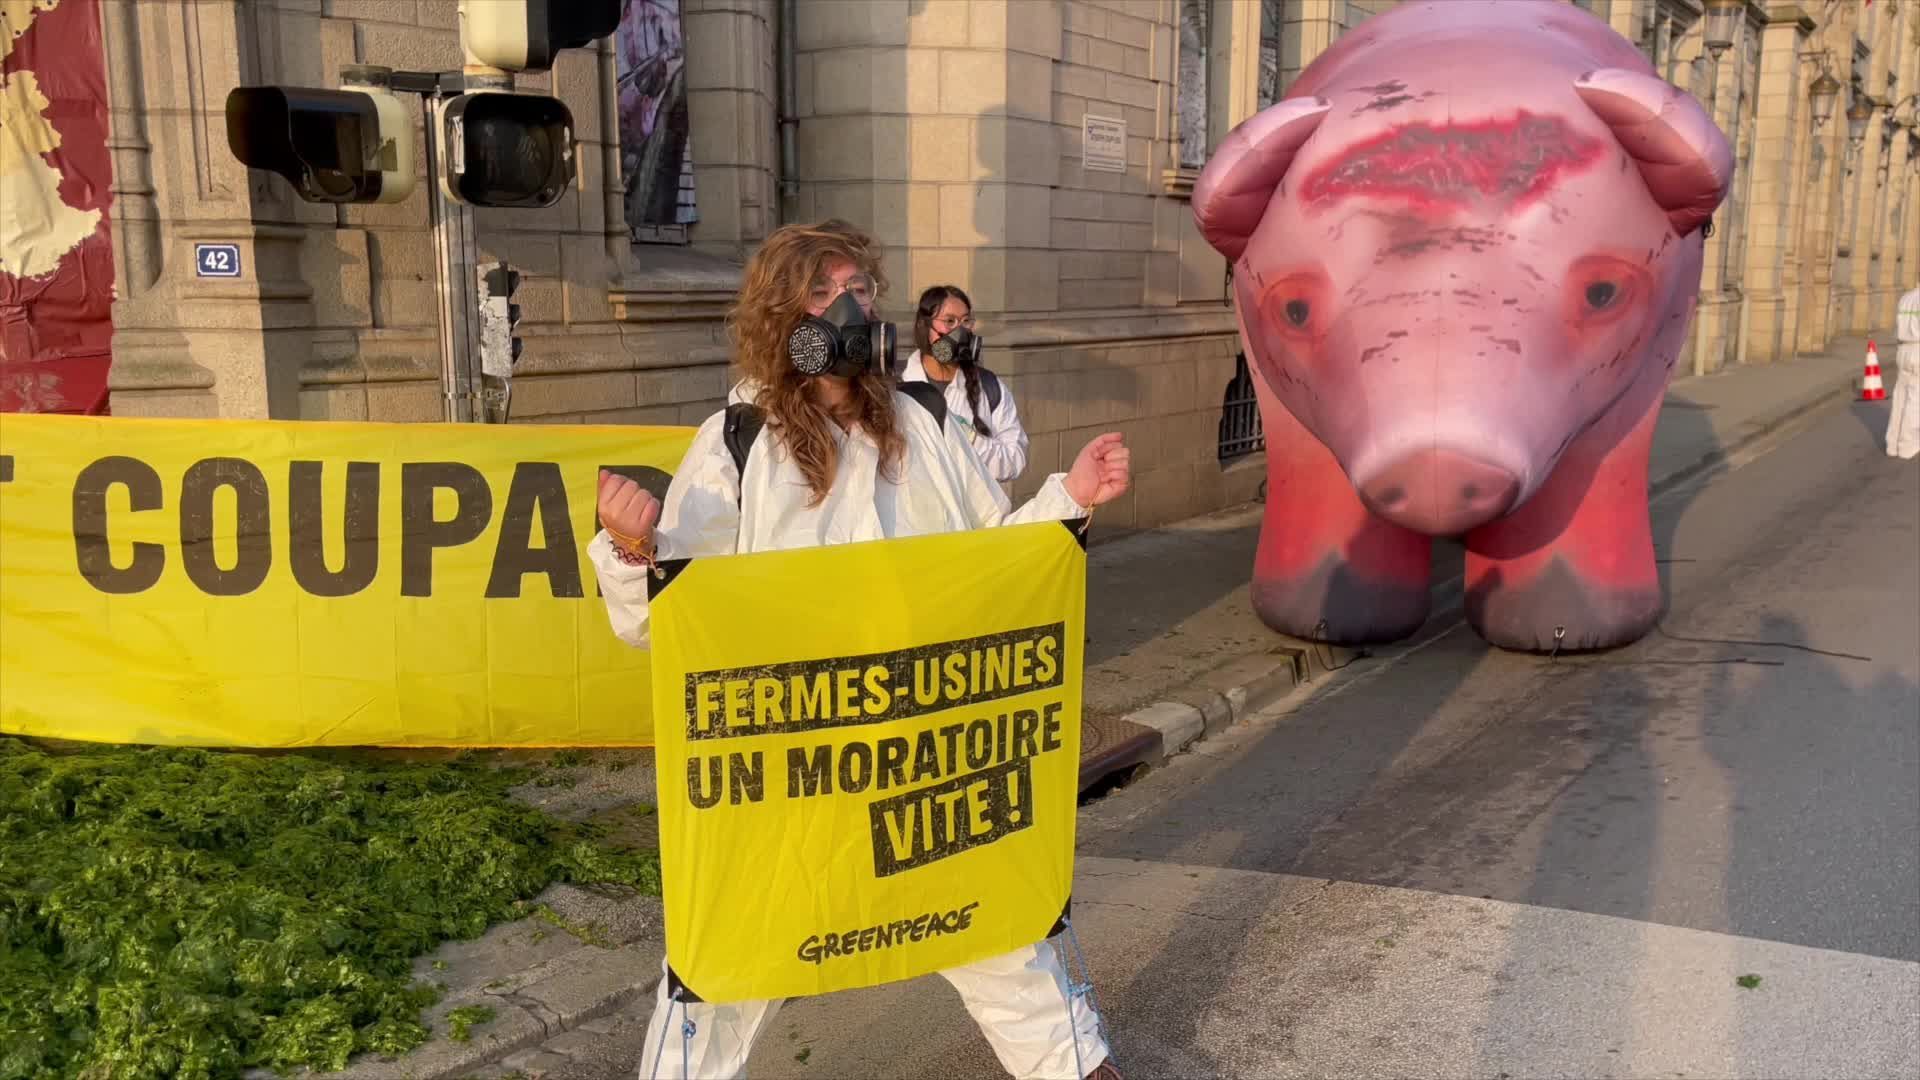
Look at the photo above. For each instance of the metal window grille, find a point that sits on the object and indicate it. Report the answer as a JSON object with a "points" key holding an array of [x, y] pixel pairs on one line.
{"points": [[1240, 431]]}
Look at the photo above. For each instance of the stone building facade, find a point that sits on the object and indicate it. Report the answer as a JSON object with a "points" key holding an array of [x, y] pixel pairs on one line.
{"points": [[958, 131]]}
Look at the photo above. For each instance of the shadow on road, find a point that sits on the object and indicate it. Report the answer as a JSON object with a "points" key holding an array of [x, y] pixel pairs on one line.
{"points": [[1339, 814]]}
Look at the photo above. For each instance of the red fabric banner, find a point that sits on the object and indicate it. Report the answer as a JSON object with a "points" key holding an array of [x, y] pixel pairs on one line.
{"points": [[56, 184]]}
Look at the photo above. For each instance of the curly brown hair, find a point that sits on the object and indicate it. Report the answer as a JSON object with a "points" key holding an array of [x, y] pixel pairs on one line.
{"points": [[772, 300]]}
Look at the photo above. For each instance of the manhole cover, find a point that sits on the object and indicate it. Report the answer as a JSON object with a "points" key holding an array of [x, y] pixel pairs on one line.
{"points": [[1108, 746]]}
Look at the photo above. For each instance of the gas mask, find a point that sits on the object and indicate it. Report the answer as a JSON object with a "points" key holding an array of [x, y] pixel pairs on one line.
{"points": [[841, 342], [960, 347]]}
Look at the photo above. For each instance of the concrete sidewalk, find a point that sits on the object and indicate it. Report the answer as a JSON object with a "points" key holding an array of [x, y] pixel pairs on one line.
{"points": [[1174, 653]]}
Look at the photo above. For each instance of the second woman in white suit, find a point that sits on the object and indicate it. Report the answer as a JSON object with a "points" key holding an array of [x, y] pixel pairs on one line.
{"points": [[947, 354]]}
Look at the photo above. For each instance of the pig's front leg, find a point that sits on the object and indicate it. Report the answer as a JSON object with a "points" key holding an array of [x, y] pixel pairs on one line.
{"points": [[1578, 555], [1323, 558]]}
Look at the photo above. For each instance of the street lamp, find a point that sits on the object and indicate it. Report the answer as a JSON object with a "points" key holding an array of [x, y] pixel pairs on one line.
{"points": [[1723, 18], [1857, 116], [1913, 118], [1822, 95]]}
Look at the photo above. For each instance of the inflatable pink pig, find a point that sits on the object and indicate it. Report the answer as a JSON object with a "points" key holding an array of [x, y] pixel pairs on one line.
{"points": [[1465, 253]]}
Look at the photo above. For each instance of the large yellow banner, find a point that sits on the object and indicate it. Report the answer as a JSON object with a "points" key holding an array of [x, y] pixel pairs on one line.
{"points": [[298, 583], [868, 756]]}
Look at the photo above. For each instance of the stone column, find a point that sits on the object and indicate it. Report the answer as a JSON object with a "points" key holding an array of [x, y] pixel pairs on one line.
{"points": [[1243, 79], [1629, 18], [1898, 271], [731, 48], [1870, 236], [1826, 192], [1716, 322], [185, 346], [1909, 46], [1912, 260], [1857, 312], [1310, 27], [1875, 313], [929, 122], [1746, 108], [1895, 271], [1771, 273]]}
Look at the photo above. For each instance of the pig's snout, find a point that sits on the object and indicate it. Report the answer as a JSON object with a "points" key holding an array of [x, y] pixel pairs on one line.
{"points": [[1439, 492]]}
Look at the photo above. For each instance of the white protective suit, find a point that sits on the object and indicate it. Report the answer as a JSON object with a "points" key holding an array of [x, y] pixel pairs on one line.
{"points": [[1020, 1000], [1903, 426], [1005, 451]]}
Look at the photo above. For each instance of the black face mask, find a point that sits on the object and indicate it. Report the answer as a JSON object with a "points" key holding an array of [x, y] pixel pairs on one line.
{"points": [[842, 342], [959, 347]]}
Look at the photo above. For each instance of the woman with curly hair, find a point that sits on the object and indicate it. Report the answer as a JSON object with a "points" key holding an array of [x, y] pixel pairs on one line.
{"points": [[844, 456]]}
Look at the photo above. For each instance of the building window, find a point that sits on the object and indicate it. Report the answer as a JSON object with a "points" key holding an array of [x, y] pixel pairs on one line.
{"points": [[1191, 92], [1660, 35], [1272, 21], [1203, 80], [1240, 430], [656, 164]]}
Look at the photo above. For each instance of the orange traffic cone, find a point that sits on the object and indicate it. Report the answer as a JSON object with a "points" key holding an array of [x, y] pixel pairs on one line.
{"points": [[1871, 389]]}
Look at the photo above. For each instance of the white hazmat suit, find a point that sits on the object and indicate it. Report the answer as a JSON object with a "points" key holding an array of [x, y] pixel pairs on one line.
{"points": [[1004, 453], [1903, 426], [1020, 1000]]}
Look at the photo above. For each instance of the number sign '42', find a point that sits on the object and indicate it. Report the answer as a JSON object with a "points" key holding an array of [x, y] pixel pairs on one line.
{"points": [[216, 260]]}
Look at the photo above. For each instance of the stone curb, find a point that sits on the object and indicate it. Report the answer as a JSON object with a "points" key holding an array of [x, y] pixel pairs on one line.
{"points": [[1200, 712], [575, 990], [530, 1008]]}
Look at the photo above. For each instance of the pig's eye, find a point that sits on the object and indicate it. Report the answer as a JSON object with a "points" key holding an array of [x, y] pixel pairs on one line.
{"points": [[1603, 289], [1296, 304]]}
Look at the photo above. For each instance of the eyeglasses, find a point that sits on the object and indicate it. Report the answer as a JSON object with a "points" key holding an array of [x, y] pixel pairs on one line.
{"points": [[946, 323], [823, 293]]}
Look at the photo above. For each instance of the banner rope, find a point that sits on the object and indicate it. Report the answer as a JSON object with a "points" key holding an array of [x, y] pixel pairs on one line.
{"points": [[687, 1029], [1080, 987]]}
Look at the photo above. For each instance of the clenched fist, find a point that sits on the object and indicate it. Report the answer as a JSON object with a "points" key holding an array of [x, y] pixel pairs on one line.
{"points": [[628, 510], [1102, 471]]}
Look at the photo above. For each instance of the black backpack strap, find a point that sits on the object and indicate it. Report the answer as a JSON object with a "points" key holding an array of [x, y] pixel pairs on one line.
{"points": [[745, 420], [991, 384], [930, 399], [742, 428]]}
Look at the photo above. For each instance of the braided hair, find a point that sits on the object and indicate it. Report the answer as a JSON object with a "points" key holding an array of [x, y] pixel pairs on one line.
{"points": [[930, 302]]}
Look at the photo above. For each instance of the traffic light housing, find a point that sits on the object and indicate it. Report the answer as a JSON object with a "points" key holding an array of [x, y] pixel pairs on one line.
{"points": [[500, 344], [526, 35], [354, 145], [507, 149]]}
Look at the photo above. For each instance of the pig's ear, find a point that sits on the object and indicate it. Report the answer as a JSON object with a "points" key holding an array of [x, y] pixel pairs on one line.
{"points": [[1232, 193], [1682, 154]]}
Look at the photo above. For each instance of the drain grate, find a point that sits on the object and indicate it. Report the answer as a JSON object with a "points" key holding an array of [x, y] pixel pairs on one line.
{"points": [[1111, 745]]}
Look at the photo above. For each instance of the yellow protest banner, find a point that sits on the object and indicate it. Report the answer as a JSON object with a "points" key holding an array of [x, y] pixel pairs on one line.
{"points": [[868, 756], [301, 583]]}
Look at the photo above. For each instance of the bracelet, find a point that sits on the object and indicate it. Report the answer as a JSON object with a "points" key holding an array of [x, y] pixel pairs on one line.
{"points": [[630, 551], [631, 558], [622, 540]]}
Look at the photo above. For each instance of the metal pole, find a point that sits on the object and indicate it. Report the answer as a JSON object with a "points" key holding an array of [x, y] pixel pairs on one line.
{"points": [[789, 106], [454, 282]]}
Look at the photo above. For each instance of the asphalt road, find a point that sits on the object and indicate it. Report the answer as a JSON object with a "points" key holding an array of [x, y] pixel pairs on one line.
{"points": [[1460, 862], [1659, 783]]}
